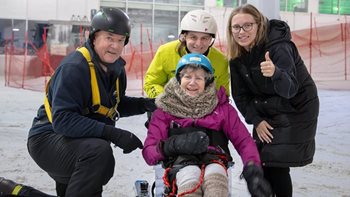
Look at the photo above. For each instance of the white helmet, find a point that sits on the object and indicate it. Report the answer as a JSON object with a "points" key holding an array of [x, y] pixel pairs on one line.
{"points": [[200, 21]]}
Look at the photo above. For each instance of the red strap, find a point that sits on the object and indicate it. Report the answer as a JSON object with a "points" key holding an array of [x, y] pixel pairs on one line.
{"points": [[201, 178]]}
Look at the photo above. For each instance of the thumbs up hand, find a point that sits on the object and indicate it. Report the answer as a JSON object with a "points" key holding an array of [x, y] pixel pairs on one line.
{"points": [[267, 67]]}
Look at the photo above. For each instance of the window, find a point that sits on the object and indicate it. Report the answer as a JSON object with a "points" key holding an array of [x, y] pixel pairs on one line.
{"points": [[334, 7], [228, 3], [12, 33], [294, 5]]}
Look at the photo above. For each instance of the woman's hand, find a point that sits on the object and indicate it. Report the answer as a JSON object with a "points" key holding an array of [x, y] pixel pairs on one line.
{"points": [[267, 67], [263, 131]]}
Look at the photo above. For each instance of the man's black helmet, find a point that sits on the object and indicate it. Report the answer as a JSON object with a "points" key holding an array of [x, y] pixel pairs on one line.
{"points": [[112, 20]]}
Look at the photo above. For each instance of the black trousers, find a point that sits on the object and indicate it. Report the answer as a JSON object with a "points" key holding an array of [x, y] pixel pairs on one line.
{"points": [[280, 181], [80, 166]]}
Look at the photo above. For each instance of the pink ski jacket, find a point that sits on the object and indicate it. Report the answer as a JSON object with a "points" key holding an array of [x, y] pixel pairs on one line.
{"points": [[224, 118]]}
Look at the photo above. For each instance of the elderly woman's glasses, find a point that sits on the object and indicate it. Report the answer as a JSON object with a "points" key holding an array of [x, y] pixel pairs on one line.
{"points": [[246, 27]]}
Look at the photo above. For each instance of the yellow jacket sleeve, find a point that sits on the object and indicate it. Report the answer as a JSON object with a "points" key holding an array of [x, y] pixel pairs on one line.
{"points": [[221, 69], [163, 66], [161, 69]]}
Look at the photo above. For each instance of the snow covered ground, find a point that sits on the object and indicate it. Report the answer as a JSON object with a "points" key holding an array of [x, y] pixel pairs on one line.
{"points": [[328, 175]]}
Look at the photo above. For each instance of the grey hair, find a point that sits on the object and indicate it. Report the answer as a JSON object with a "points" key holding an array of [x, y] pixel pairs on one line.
{"points": [[193, 67]]}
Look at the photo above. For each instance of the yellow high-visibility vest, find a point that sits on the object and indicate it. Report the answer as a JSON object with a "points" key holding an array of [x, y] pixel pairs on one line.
{"points": [[96, 99]]}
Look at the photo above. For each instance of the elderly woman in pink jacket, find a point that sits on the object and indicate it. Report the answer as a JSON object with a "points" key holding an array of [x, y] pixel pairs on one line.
{"points": [[189, 134]]}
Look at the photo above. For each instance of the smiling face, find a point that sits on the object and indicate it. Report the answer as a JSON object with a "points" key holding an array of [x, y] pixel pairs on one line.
{"points": [[193, 80], [198, 42], [108, 46], [244, 30]]}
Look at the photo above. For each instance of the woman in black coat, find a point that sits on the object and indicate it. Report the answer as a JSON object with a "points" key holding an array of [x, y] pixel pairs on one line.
{"points": [[274, 91]]}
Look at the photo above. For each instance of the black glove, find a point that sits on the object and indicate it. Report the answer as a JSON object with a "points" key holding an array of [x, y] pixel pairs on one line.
{"points": [[149, 104], [122, 138], [189, 143], [257, 185]]}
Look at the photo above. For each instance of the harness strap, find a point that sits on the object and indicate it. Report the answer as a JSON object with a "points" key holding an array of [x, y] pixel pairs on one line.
{"points": [[111, 113], [201, 178], [96, 99], [47, 104], [16, 190], [181, 161], [219, 155], [171, 184]]}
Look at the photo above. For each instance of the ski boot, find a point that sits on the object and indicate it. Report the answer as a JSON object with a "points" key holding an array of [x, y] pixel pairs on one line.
{"points": [[11, 188], [8, 187], [141, 188]]}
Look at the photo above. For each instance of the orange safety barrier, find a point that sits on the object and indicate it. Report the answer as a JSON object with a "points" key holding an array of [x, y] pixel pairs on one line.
{"points": [[325, 51]]}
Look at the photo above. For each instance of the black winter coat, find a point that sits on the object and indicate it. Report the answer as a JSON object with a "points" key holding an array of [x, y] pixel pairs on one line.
{"points": [[70, 95], [288, 100]]}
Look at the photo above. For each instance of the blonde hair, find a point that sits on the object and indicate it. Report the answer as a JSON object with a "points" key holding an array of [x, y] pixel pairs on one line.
{"points": [[233, 48]]}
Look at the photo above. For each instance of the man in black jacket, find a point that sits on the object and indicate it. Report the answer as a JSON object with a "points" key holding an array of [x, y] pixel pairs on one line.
{"points": [[71, 134]]}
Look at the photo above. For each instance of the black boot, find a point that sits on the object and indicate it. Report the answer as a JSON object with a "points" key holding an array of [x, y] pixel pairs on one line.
{"points": [[8, 187]]}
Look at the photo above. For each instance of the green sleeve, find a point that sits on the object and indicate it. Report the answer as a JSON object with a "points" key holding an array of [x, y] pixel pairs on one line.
{"points": [[155, 77], [161, 69]]}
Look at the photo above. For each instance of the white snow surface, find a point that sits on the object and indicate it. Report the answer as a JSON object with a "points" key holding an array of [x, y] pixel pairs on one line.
{"points": [[328, 175]]}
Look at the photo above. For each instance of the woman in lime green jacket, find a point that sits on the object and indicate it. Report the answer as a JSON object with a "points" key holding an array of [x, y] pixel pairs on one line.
{"points": [[197, 35]]}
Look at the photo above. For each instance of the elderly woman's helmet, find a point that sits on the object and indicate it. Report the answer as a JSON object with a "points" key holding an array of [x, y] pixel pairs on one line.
{"points": [[112, 20], [199, 21], [195, 59]]}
